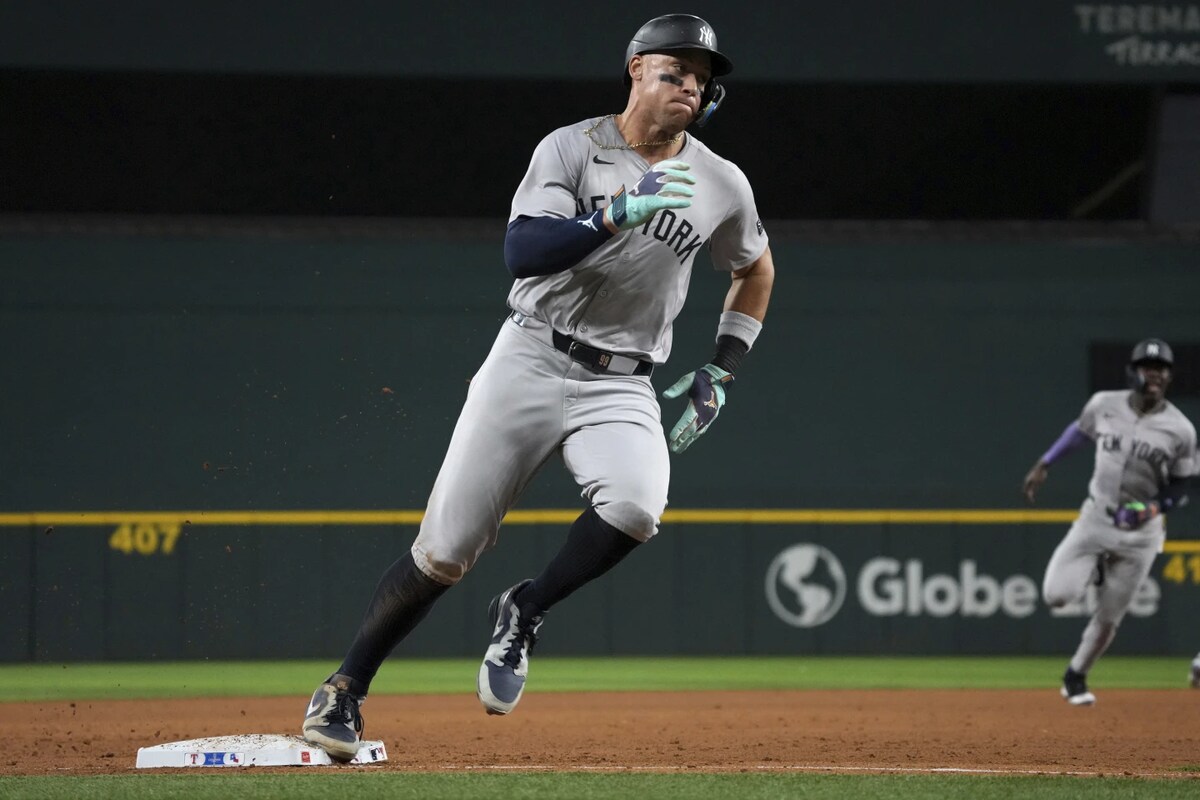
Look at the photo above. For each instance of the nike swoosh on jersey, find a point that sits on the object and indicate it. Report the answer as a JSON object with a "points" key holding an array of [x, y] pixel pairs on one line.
{"points": [[598, 160]]}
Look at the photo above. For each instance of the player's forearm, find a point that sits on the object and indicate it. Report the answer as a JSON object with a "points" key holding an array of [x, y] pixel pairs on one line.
{"points": [[745, 308], [750, 290], [547, 245], [1072, 438]]}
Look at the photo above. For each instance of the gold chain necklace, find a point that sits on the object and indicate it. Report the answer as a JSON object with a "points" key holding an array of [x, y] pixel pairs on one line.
{"points": [[599, 122]]}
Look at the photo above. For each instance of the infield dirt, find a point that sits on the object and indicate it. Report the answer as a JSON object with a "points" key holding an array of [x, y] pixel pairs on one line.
{"points": [[1149, 733]]}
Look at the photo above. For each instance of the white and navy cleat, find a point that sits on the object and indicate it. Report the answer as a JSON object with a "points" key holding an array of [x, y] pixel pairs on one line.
{"points": [[1074, 689], [506, 662], [333, 721]]}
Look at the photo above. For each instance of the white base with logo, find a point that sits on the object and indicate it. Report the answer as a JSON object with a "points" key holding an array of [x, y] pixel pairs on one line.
{"points": [[249, 750]]}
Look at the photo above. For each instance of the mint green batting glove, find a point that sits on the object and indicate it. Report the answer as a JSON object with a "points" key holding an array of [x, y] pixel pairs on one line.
{"points": [[665, 185], [706, 395]]}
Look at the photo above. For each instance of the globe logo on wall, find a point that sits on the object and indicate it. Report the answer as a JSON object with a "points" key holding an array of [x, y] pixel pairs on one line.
{"points": [[806, 585]]}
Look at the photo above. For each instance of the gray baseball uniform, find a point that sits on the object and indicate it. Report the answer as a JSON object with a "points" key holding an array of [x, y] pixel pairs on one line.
{"points": [[529, 400], [1135, 455]]}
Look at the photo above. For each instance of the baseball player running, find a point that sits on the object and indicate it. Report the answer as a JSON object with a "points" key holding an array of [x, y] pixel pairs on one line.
{"points": [[603, 232], [1145, 454]]}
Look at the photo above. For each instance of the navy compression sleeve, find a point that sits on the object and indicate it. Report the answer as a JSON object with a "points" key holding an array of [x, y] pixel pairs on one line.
{"points": [[546, 245]]}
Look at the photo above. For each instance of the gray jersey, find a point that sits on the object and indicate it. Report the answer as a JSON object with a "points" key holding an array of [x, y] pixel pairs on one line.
{"points": [[625, 295], [1135, 454]]}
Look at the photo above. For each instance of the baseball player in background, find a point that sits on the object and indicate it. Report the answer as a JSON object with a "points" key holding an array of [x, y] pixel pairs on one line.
{"points": [[1145, 455], [603, 232]]}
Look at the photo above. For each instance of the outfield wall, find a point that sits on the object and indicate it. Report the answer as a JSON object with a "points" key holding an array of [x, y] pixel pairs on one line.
{"points": [[294, 590], [193, 373]]}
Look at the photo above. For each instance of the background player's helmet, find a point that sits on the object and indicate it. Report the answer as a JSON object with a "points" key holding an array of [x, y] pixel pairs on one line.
{"points": [[1152, 350], [1147, 350], [683, 32]]}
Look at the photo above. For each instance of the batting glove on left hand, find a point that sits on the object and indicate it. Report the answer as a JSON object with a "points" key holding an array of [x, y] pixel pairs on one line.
{"points": [[706, 395], [1134, 515], [665, 185]]}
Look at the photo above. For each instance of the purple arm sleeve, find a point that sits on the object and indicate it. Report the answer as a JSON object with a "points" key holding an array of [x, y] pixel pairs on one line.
{"points": [[1071, 438], [546, 245]]}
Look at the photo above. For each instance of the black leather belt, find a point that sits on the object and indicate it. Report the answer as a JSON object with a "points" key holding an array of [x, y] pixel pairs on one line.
{"points": [[601, 360]]}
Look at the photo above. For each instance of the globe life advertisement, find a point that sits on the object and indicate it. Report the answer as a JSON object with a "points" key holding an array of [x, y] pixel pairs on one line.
{"points": [[807, 585]]}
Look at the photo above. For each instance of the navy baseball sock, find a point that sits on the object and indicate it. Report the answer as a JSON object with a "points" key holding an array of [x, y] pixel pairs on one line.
{"points": [[402, 599], [592, 548]]}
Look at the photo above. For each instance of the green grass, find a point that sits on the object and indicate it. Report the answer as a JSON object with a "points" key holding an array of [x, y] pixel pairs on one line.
{"points": [[114, 680], [216, 678], [744, 786]]}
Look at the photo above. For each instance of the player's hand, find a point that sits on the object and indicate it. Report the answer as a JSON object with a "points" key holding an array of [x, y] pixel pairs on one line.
{"points": [[667, 184], [1034, 480], [1134, 514], [705, 389]]}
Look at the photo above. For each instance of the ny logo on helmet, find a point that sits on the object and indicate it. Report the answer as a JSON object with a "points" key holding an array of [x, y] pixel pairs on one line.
{"points": [[706, 35], [1152, 349]]}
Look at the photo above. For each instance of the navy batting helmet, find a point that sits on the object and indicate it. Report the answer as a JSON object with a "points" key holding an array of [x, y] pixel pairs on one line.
{"points": [[1152, 350], [683, 32], [1147, 351]]}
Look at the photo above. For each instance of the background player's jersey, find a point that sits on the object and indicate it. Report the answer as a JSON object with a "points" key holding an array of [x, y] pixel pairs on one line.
{"points": [[625, 295], [1135, 454]]}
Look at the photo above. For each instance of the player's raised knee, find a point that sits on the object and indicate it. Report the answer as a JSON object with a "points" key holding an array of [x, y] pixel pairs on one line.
{"points": [[629, 518], [440, 563], [1057, 598]]}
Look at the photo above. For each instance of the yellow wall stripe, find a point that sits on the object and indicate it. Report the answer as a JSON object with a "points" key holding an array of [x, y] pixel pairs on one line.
{"points": [[701, 516], [556, 516]]}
